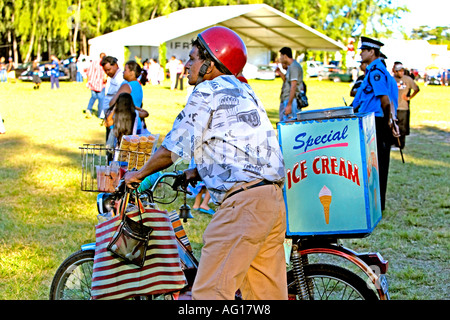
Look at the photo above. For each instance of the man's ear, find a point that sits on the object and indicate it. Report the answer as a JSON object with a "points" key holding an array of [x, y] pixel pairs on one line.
{"points": [[211, 66], [205, 68]]}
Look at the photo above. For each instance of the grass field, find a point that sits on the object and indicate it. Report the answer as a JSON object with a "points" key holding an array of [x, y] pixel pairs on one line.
{"points": [[44, 216]]}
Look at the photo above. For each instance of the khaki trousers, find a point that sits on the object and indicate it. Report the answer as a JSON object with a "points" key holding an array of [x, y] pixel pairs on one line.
{"points": [[243, 248]]}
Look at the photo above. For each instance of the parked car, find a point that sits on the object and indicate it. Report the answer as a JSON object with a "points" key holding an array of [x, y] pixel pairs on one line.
{"points": [[45, 72], [313, 68], [261, 72], [265, 72], [340, 76], [325, 71], [22, 67]]}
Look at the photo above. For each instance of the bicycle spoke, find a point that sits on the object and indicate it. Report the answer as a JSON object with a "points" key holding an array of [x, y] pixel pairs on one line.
{"points": [[329, 288]]}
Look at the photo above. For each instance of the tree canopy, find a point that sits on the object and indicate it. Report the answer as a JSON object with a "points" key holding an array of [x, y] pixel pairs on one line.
{"points": [[32, 28]]}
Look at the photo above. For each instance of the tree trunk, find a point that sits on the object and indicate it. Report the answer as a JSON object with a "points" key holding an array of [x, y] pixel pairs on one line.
{"points": [[30, 49], [75, 32], [153, 13], [33, 31], [83, 37], [49, 45], [12, 39], [15, 50], [39, 48], [98, 18]]}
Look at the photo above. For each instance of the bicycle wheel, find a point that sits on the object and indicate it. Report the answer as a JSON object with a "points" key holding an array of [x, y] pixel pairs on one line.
{"points": [[72, 280], [330, 282]]}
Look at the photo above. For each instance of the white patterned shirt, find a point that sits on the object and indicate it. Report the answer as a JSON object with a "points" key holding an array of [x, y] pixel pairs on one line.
{"points": [[224, 126]]}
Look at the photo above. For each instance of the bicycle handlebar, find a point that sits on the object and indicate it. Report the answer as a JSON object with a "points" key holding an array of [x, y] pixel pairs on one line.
{"points": [[179, 176], [178, 184]]}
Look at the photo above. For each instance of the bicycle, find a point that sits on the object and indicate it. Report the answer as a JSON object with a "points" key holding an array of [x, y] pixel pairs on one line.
{"points": [[306, 281]]}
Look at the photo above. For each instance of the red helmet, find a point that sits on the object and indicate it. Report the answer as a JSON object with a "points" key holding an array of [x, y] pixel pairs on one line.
{"points": [[225, 47]]}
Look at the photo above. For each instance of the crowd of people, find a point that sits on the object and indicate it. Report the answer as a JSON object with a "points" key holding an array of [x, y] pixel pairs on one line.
{"points": [[107, 81], [243, 243]]}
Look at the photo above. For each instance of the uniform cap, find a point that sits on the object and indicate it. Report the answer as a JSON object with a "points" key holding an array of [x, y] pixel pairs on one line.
{"points": [[367, 43]]}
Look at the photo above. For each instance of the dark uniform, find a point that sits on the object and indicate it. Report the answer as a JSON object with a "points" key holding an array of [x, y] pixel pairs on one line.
{"points": [[377, 82]]}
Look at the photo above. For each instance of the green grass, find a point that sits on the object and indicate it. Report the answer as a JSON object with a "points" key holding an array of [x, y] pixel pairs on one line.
{"points": [[44, 216]]}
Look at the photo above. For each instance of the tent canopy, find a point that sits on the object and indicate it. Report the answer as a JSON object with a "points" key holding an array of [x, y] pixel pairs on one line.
{"points": [[258, 24]]}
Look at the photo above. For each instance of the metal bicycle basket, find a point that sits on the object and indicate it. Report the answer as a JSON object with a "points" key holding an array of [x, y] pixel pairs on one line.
{"points": [[103, 167]]}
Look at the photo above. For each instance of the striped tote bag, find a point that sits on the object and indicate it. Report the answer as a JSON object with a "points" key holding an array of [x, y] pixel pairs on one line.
{"points": [[114, 278]]}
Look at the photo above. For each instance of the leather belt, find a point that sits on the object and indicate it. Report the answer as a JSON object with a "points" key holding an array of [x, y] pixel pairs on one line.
{"points": [[259, 184]]}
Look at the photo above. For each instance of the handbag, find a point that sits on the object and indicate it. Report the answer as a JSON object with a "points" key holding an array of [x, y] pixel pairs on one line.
{"points": [[130, 241], [116, 278], [302, 100]]}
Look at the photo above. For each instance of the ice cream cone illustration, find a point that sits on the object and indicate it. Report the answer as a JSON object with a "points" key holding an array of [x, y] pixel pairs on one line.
{"points": [[325, 200]]}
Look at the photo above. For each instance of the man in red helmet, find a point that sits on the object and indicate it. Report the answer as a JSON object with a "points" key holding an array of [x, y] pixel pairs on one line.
{"points": [[225, 128]]}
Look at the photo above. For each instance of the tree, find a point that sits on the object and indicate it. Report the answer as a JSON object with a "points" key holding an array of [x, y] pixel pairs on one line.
{"points": [[29, 27], [437, 35]]}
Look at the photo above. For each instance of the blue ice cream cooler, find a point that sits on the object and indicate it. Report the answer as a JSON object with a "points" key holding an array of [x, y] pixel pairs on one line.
{"points": [[332, 184]]}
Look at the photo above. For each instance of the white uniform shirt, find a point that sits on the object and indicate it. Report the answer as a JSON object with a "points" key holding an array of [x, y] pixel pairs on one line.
{"points": [[226, 129]]}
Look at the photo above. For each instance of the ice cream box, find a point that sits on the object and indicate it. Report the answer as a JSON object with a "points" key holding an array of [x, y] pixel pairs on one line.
{"points": [[332, 184]]}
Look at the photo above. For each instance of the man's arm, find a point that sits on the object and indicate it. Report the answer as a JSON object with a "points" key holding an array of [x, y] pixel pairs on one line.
{"points": [[123, 88], [415, 88], [292, 92], [280, 74], [160, 160], [385, 106]]}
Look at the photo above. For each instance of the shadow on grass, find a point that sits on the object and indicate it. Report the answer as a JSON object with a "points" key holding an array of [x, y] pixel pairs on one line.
{"points": [[51, 216]]}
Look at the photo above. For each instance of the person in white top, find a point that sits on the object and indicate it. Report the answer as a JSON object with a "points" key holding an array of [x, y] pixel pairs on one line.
{"points": [[172, 66], [115, 80]]}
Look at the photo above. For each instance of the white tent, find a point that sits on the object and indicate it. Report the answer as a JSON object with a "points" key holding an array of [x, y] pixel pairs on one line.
{"points": [[262, 28]]}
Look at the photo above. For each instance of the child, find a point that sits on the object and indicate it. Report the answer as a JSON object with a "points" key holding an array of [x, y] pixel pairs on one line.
{"points": [[198, 191]]}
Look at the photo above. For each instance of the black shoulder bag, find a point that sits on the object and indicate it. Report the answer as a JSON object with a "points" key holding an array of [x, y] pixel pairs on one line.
{"points": [[130, 242]]}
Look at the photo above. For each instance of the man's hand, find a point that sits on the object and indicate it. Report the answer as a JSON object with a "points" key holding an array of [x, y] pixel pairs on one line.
{"points": [[131, 177], [189, 176], [288, 109], [192, 176]]}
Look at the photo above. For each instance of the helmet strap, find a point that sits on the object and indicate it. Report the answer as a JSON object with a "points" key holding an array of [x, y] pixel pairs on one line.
{"points": [[202, 71]]}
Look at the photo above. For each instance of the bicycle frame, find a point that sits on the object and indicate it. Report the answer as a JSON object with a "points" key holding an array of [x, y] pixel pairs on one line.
{"points": [[88, 246], [371, 264]]}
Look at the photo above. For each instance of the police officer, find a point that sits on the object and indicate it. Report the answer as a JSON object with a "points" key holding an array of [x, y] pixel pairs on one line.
{"points": [[375, 95]]}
